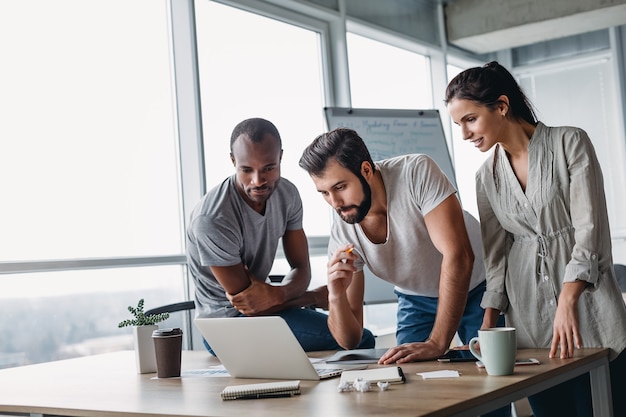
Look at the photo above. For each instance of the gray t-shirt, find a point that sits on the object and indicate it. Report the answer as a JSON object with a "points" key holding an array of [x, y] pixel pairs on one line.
{"points": [[224, 231], [415, 185]]}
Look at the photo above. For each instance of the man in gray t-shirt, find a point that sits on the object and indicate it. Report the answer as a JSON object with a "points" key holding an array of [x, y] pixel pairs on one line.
{"points": [[233, 236]]}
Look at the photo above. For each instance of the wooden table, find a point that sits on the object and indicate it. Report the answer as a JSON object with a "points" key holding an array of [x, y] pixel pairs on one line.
{"points": [[107, 385]]}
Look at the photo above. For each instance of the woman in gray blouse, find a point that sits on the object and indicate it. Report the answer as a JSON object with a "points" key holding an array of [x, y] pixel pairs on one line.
{"points": [[545, 233]]}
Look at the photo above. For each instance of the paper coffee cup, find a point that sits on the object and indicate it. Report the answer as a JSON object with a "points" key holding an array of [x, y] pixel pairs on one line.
{"points": [[168, 345]]}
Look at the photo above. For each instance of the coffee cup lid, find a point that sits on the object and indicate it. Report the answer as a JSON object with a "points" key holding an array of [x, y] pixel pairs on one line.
{"points": [[167, 332]]}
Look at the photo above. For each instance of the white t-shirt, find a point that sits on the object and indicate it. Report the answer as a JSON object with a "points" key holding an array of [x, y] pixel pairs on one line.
{"points": [[414, 185]]}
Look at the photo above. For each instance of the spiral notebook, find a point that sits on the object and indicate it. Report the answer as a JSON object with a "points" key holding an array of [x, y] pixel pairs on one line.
{"points": [[261, 390]]}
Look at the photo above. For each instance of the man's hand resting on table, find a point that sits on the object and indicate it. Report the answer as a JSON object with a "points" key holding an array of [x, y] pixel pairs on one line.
{"points": [[412, 352]]}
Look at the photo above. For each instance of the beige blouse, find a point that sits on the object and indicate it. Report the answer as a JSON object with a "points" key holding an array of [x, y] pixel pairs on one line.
{"points": [[555, 232]]}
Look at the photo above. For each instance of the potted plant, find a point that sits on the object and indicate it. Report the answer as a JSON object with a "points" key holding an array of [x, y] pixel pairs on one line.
{"points": [[143, 326]]}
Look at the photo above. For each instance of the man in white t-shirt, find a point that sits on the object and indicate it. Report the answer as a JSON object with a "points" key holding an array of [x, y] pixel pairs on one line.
{"points": [[400, 217]]}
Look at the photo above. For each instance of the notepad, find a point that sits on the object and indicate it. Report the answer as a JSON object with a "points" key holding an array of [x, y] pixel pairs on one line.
{"points": [[261, 390], [391, 374]]}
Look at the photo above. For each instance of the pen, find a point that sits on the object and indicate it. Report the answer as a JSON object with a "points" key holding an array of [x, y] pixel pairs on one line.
{"points": [[401, 373], [349, 250]]}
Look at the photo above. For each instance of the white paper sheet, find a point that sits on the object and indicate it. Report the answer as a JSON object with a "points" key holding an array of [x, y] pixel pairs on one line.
{"points": [[440, 374]]}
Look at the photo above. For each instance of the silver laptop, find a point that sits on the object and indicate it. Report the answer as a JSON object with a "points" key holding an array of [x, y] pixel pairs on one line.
{"points": [[262, 347]]}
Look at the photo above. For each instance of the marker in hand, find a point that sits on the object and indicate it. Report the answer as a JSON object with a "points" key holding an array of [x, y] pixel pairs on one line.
{"points": [[349, 250]]}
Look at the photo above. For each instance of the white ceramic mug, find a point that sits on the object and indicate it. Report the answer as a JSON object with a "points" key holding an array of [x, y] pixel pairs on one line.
{"points": [[498, 347]]}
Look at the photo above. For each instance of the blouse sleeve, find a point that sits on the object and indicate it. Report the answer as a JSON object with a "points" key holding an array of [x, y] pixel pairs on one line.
{"points": [[494, 239], [587, 207]]}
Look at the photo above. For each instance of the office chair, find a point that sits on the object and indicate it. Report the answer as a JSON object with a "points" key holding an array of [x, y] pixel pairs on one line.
{"points": [[620, 274], [172, 308]]}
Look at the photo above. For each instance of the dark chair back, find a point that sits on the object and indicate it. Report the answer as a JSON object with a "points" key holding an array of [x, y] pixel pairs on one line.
{"points": [[172, 308]]}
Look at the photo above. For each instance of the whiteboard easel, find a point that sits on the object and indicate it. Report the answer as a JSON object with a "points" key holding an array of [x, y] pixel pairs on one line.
{"points": [[389, 132]]}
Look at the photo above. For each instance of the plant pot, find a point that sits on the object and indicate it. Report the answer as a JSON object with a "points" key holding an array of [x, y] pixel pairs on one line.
{"points": [[144, 348]]}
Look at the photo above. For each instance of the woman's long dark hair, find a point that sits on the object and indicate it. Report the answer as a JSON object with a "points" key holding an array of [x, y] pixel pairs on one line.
{"points": [[484, 85]]}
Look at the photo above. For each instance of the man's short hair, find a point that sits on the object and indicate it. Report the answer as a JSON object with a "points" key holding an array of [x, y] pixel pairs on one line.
{"points": [[345, 145], [255, 128]]}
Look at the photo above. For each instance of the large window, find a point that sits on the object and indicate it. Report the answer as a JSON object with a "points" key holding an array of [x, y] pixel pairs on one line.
{"points": [[387, 77], [87, 131], [89, 171], [59, 315]]}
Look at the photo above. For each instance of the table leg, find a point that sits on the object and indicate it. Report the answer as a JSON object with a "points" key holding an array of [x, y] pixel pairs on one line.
{"points": [[601, 391]]}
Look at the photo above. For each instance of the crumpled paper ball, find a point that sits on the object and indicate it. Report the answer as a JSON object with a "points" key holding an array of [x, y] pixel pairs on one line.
{"points": [[344, 387], [361, 385], [383, 385]]}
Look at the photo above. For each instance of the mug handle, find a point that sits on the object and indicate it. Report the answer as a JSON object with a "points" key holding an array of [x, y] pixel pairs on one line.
{"points": [[472, 349]]}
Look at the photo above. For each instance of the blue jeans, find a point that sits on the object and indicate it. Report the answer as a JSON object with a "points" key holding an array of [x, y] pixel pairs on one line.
{"points": [[311, 329], [416, 317]]}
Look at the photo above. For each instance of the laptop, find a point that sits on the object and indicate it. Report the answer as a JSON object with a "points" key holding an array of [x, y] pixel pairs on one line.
{"points": [[262, 347]]}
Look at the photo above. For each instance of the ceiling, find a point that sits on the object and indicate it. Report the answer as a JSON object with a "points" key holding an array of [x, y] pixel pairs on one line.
{"points": [[483, 26]]}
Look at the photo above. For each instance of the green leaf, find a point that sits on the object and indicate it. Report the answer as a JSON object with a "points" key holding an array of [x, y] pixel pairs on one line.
{"points": [[140, 318]]}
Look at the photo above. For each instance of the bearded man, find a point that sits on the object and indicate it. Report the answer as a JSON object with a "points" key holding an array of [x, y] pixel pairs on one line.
{"points": [[400, 217]]}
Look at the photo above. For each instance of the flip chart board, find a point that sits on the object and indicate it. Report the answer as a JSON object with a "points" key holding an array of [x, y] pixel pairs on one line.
{"points": [[389, 132]]}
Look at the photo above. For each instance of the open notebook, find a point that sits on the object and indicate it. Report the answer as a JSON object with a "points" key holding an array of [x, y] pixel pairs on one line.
{"points": [[357, 356], [262, 347]]}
